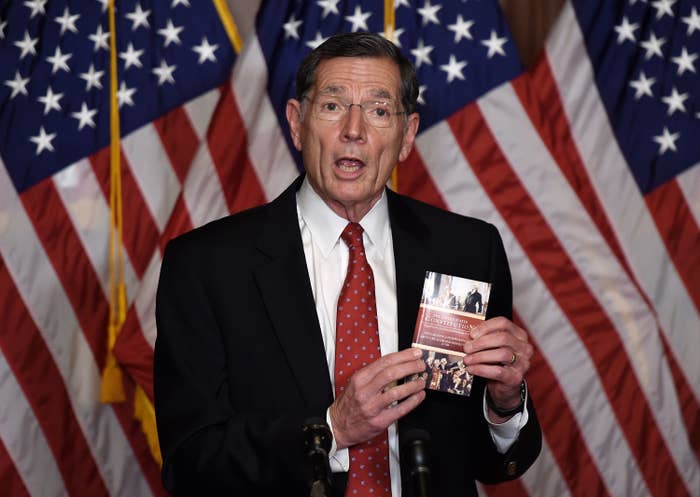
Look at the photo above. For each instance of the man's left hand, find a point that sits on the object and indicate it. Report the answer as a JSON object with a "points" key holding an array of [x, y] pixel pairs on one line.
{"points": [[500, 352]]}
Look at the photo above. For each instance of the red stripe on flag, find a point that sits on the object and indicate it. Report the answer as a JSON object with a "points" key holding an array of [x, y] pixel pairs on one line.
{"points": [[229, 151], [512, 488], [140, 230], [561, 430], [134, 353], [178, 223], [415, 180], [72, 265], [541, 99], [179, 140], [679, 232], [33, 366], [10, 480], [74, 270], [539, 95], [563, 280]]}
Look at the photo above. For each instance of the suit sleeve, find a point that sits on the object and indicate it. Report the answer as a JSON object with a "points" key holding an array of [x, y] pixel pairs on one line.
{"points": [[210, 448], [491, 466]]}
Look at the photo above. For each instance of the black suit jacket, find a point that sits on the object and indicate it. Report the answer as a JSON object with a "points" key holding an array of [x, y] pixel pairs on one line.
{"points": [[240, 362]]}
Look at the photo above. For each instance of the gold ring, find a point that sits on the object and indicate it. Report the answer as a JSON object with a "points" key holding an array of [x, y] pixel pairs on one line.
{"points": [[512, 359]]}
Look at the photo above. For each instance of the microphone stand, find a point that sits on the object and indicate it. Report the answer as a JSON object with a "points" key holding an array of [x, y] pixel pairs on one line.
{"points": [[416, 444], [317, 443]]}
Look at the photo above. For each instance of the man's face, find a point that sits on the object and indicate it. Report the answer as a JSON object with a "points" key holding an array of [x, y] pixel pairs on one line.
{"points": [[349, 161]]}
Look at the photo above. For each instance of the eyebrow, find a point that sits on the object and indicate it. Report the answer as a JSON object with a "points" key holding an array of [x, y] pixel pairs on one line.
{"points": [[342, 90]]}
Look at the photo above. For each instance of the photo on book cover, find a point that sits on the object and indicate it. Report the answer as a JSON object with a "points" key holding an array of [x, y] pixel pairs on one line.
{"points": [[450, 307]]}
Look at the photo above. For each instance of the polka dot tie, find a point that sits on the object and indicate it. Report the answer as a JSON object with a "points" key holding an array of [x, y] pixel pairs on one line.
{"points": [[356, 345]]}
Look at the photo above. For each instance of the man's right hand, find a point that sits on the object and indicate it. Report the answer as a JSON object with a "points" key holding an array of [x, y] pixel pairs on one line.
{"points": [[372, 401]]}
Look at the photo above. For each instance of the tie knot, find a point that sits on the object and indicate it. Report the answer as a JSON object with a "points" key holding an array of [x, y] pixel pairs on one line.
{"points": [[352, 236]]}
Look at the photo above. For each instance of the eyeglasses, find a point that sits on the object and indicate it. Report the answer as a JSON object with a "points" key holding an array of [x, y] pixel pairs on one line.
{"points": [[378, 113]]}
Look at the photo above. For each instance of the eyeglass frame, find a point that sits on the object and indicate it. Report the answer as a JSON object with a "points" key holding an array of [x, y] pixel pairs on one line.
{"points": [[347, 106]]}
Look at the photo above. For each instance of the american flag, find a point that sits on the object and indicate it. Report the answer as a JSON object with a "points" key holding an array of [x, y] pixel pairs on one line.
{"points": [[56, 438], [588, 166]]}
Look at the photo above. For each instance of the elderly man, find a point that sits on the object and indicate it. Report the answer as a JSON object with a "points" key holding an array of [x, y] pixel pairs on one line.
{"points": [[306, 307]]}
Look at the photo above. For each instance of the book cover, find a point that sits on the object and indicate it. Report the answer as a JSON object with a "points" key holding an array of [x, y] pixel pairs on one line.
{"points": [[450, 307]]}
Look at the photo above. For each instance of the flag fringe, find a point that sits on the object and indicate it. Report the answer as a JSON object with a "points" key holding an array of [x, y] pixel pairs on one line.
{"points": [[146, 415]]}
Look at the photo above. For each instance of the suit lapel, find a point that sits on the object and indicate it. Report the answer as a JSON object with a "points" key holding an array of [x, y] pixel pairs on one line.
{"points": [[286, 291], [412, 258]]}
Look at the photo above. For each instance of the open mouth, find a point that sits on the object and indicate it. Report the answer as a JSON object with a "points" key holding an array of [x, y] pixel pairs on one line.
{"points": [[349, 164]]}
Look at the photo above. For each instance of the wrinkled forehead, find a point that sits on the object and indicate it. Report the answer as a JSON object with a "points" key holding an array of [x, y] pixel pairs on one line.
{"points": [[376, 77]]}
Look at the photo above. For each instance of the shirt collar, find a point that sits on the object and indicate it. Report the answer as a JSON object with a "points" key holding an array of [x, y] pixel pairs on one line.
{"points": [[326, 226]]}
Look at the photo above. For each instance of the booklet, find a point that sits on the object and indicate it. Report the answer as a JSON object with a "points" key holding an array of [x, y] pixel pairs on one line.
{"points": [[450, 308]]}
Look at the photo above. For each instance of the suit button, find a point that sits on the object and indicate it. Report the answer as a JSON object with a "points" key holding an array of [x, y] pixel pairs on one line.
{"points": [[511, 468]]}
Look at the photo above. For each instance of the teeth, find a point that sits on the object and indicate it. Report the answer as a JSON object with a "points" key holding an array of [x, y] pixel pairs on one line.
{"points": [[349, 165]]}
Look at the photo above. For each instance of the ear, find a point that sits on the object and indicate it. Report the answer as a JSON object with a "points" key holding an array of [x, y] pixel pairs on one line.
{"points": [[293, 113], [409, 136]]}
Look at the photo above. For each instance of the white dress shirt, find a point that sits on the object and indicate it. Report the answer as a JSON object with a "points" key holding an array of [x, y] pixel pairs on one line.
{"points": [[327, 263]]}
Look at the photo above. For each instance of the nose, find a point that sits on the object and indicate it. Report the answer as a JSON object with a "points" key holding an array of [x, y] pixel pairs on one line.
{"points": [[354, 125]]}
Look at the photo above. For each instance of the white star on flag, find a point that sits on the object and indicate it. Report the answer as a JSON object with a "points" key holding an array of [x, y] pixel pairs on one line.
{"points": [[85, 116], [429, 13], [164, 72], [461, 28], [100, 39], [43, 141], [666, 141], [37, 7], [291, 28], [625, 31], [495, 45], [67, 21], [394, 37], [175, 3], [358, 19], [653, 46], [316, 41], [50, 101], [92, 78], [124, 95], [663, 7], [138, 17], [59, 60], [131, 57], [642, 86], [675, 101], [422, 54], [685, 61], [2, 29], [18, 85], [105, 5], [693, 21], [454, 68], [170, 33], [328, 7], [205, 51], [27, 45]]}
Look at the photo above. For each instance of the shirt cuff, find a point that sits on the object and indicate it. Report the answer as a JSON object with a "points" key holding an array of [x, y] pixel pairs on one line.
{"points": [[339, 460], [505, 434]]}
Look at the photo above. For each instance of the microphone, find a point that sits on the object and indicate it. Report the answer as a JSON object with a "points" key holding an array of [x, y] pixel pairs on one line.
{"points": [[317, 443], [416, 444]]}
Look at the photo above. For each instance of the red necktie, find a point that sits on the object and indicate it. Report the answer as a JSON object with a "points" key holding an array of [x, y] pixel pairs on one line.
{"points": [[356, 345]]}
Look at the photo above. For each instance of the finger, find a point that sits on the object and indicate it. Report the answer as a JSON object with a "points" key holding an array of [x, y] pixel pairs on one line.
{"points": [[391, 367], [501, 356], [396, 412], [509, 376], [498, 324], [378, 380]]}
